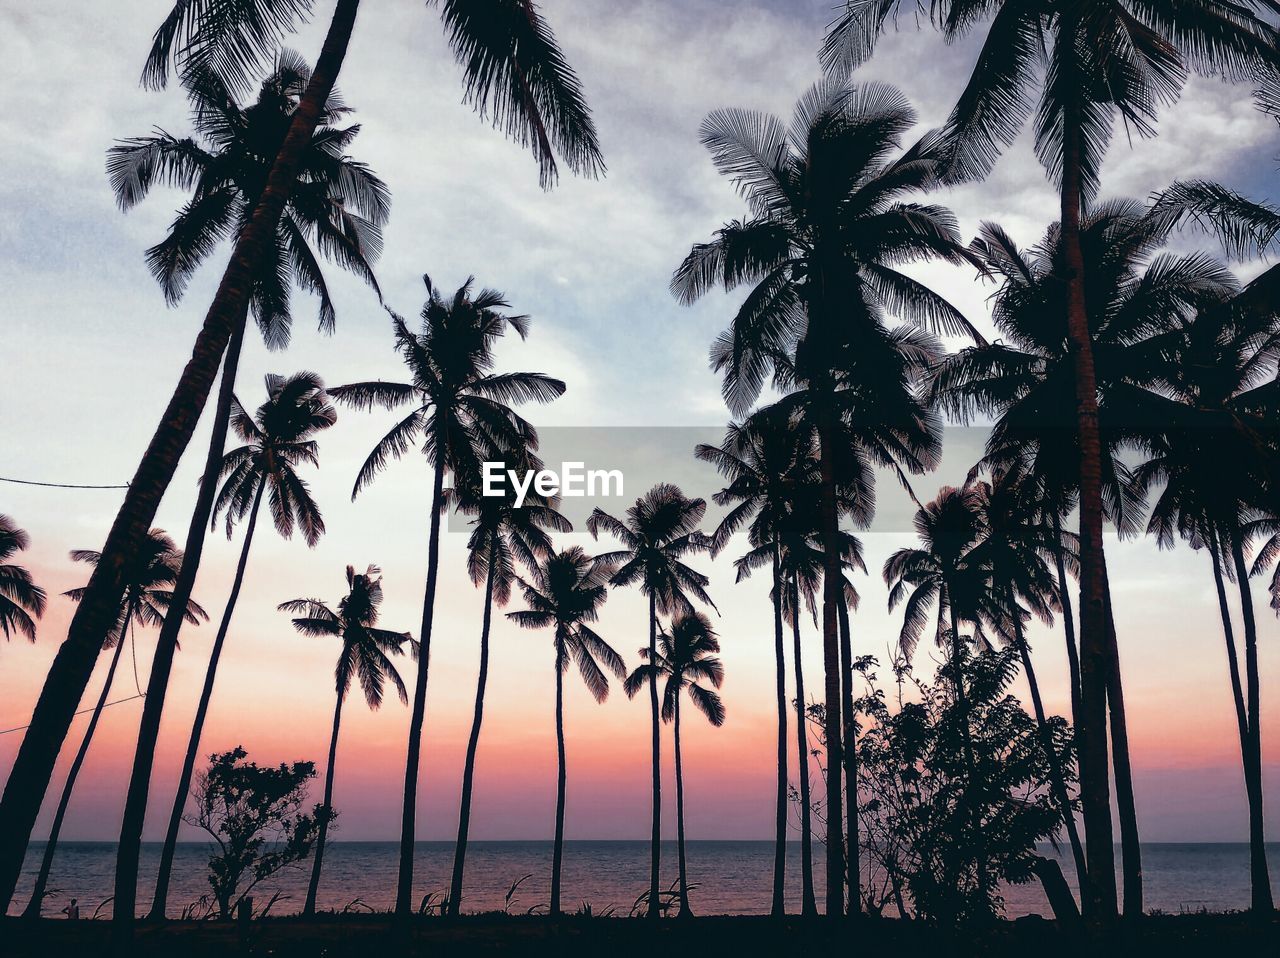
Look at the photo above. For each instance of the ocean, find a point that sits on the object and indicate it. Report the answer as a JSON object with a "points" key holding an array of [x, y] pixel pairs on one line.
{"points": [[730, 877]]}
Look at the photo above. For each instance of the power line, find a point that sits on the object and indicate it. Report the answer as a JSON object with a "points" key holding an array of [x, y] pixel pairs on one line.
{"points": [[19, 728], [58, 485]]}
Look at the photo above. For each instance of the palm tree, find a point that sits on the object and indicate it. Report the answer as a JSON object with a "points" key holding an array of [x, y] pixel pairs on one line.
{"points": [[460, 414], [1218, 397], [1012, 548], [944, 571], [685, 656], [150, 576], [565, 592], [658, 532], [1027, 382], [278, 439], [1089, 61], [364, 656], [20, 597], [503, 537], [827, 232], [763, 462], [337, 207], [514, 73]]}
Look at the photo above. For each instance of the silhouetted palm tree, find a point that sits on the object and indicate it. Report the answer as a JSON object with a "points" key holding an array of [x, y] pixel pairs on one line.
{"points": [[658, 532], [20, 598], [461, 417], [565, 592], [827, 232], [146, 600], [364, 656], [1087, 62], [1216, 464], [278, 439], [337, 207], [1028, 382], [763, 461], [514, 73], [685, 655], [503, 538], [1012, 547], [944, 571]]}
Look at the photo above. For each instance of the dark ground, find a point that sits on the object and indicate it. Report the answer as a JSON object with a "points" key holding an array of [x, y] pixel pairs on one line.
{"points": [[1213, 936]]}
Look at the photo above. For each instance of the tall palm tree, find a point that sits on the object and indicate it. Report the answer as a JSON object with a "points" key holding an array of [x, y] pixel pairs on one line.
{"points": [[1220, 403], [364, 656], [21, 600], [763, 462], [658, 532], [686, 655], [335, 211], [1027, 382], [1013, 547], [565, 592], [503, 538], [1088, 61], [460, 413], [151, 574], [278, 439], [828, 230], [514, 72], [944, 571]]}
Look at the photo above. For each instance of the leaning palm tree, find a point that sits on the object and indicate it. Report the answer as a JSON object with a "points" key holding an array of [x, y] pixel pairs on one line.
{"points": [[1219, 406], [829, 228], [504, 537], [278, 439], [1088, 61], [460, 413], [686, 655], [151, 575], [658, 532], [565, 592], [515, 74], [21, 600], [364, 656]]}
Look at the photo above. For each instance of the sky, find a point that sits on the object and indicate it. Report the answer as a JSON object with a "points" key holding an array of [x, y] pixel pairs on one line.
{"points": [[93, 352]]}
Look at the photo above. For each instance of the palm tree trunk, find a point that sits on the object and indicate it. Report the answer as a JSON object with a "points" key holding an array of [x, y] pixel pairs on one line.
{"points": [[1252, 783], [778, 908], [167, 645], [1057, 780], [202, 710], [1068, 620], [71, 669], [685, 911], [808, 904], [51, 846], [1091, 723], [1126, 808], [408, 821], [469, 768], [831, 595], [1260, 881], [309, 908], [854, 849], [655, 836], [557, 855]]}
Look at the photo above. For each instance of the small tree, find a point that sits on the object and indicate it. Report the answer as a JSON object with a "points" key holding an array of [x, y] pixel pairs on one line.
{"points": [[256, 816], [919, 792]]}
